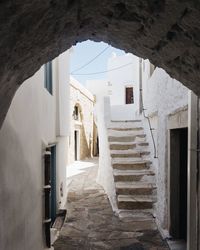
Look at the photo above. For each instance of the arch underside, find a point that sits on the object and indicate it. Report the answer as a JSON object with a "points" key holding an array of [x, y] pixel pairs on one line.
{"points": [[33, 32]]}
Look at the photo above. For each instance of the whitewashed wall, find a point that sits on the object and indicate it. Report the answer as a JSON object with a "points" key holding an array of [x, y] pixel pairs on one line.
{"points": [[62, 79], [98, 87], [162, 95], [127, 76], [105, 171], [102, 117], [29, 127], [115, 85]]}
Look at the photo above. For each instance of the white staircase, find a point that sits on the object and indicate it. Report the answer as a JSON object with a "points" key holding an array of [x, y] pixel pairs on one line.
{"points": [[133, 174]]}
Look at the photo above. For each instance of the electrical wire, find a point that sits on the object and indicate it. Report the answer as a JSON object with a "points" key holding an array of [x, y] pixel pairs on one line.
{"points": [[102, 72], [83, 66]]}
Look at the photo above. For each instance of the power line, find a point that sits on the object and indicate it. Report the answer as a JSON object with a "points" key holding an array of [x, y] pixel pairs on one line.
{"points": [[102, 72], [83, 66]]}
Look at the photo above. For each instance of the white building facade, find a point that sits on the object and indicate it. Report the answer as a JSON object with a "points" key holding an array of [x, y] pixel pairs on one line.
{"points": [[33, 158], [167, 110], [121, 85]]}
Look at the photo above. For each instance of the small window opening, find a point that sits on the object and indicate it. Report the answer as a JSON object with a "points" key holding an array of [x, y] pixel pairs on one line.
{"points": [[76, 113], [48, 77], [129, 95]]}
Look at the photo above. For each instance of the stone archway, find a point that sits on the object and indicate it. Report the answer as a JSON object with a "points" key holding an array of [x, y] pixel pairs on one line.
{"points": [[33, 32]]}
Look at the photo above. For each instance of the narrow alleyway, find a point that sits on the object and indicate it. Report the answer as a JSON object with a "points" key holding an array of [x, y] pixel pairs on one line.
{"points": [[92, 225]]}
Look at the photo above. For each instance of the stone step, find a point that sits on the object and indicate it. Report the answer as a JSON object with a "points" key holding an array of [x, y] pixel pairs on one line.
{"points": [[125, 124], [125, 138], [136, 215], [115, 146], [127, 129], [135, 202], [130, 164], [134, 188], [130, 160], [126, 121], [127, 166], [127, 145], [131, 175], [128, 153], [126, 133], [133, 155]]}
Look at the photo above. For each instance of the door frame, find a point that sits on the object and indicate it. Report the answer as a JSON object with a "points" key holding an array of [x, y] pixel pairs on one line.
{"points": [[126, 87], [53, 183], [176, 120], [175, 172]]}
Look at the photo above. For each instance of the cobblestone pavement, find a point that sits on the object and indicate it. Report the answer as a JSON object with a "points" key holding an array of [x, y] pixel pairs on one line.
{"points": [[92, 225]]}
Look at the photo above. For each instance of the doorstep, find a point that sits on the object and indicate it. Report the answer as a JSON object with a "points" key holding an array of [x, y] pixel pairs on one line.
{"points": [[57, 225], [176, 244]]}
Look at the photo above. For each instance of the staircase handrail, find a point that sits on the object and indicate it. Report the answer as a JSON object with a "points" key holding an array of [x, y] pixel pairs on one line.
{"points": [[149, 123]]}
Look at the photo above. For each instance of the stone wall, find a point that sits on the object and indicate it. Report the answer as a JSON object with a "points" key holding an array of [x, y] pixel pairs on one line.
{"points": [[33, 32], [84, 100]]}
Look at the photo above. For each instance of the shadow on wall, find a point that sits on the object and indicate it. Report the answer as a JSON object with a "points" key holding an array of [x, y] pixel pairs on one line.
{"points": [[85, 146], [86, 140], [95, 140], [20, 205]]}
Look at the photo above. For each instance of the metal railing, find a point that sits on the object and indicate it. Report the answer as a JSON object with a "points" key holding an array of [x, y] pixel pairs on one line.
{"points": [[149, 123]]}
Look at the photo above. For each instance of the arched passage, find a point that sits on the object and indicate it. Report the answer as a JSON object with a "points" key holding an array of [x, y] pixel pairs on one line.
{"points": [[33, 32]]}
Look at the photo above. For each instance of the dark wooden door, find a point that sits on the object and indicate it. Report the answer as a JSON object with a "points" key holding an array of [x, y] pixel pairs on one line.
{"points": [[53, 183], [129, 95], [178, 183]]}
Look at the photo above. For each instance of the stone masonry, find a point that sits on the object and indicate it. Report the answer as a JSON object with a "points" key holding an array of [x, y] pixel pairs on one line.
{"points": [[92, 225], [33, 32], [84, 100], [135, 184]]}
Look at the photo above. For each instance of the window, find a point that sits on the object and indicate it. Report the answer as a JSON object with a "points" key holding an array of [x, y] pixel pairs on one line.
{"points": [[75, 113], [48, 76], [129, 95]]}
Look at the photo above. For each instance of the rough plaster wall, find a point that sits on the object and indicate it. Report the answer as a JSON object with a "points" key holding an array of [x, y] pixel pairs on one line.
{"points": [[86, 105], [162, 96], [23, 134], [105, 171], [33, 32]]}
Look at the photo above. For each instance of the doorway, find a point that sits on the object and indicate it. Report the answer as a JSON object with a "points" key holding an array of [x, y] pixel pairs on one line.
{"points": [[53, 182], [76, 145], [178, 183]]}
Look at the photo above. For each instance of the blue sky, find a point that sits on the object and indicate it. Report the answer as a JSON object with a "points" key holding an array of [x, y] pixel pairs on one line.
{"points": [[86, 51]]}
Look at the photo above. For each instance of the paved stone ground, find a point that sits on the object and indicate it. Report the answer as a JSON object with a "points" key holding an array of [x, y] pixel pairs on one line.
{"points": [[91, 224]]}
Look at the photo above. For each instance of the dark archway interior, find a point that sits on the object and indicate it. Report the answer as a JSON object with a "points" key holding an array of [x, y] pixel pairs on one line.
{"points": [[33, 32]]}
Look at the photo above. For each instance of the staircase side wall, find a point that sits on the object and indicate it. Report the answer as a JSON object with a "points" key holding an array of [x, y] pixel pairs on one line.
{"points": [[105, 173], [162, 96]]}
